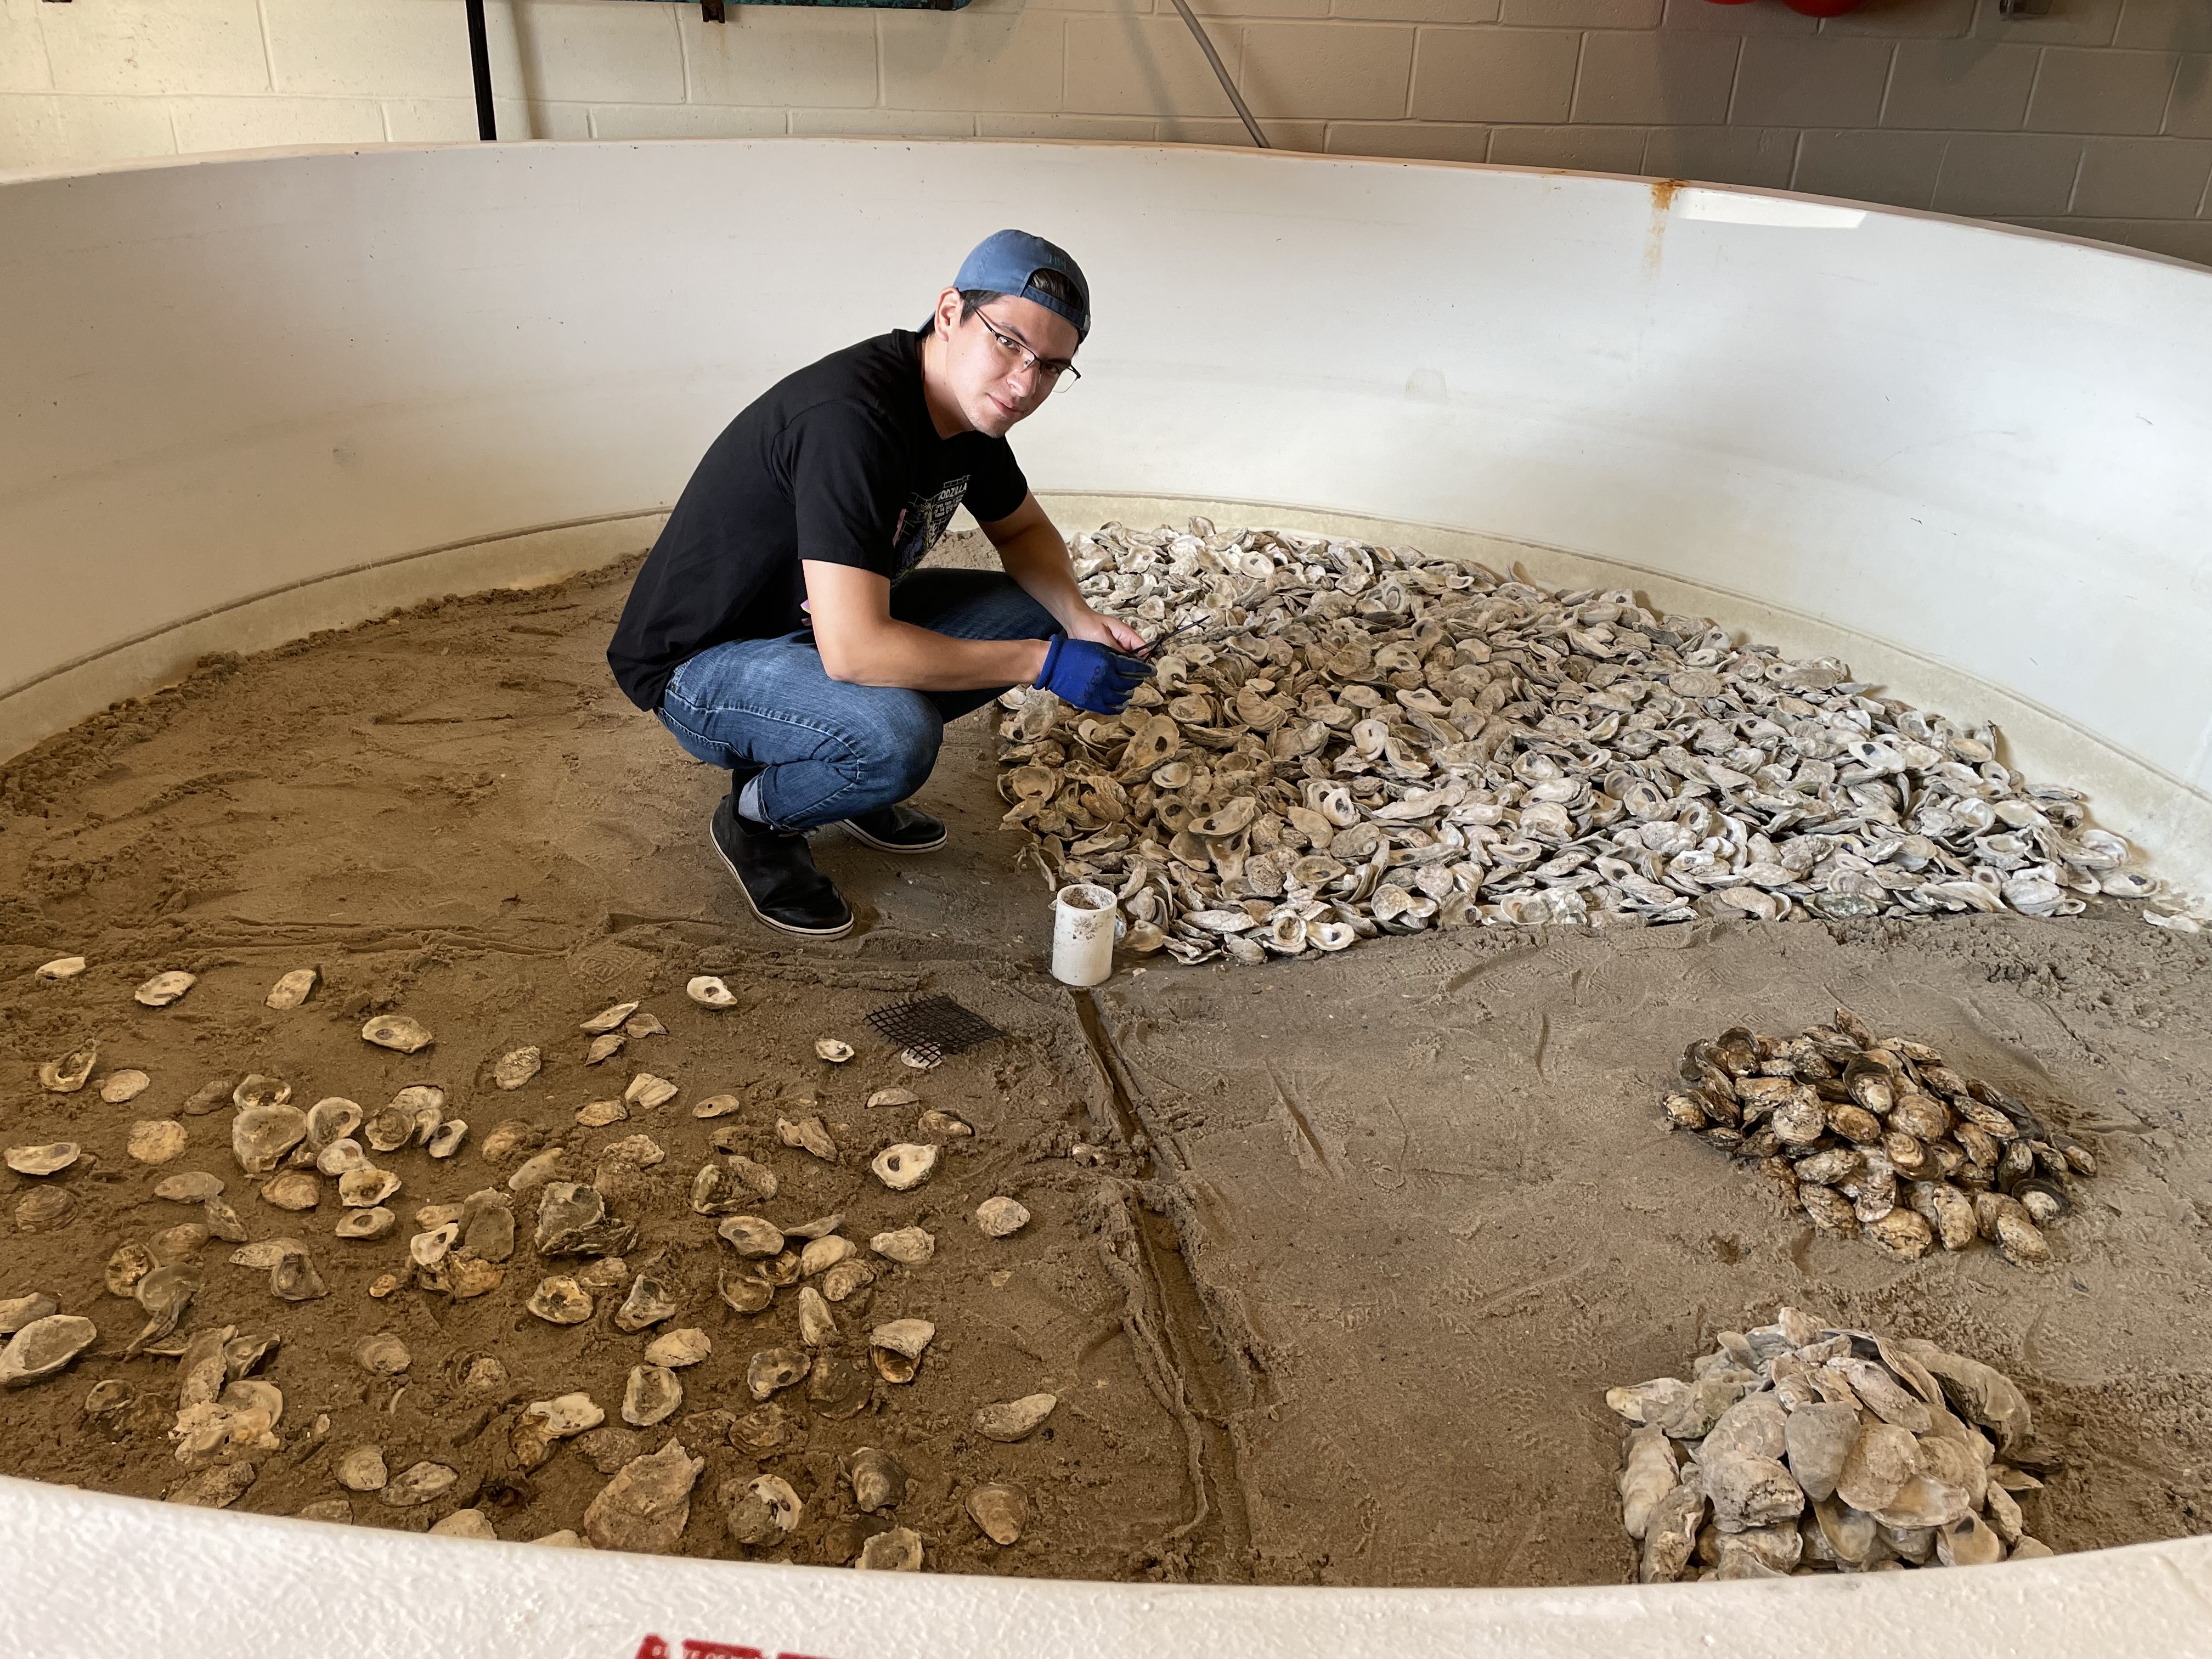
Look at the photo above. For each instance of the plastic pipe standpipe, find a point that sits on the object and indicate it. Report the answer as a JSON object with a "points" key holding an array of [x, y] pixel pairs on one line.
{"points": [[1083, 918]]}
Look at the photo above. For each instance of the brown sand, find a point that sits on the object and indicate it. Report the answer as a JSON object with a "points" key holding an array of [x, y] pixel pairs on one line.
{"points": [[1374, 1233]]}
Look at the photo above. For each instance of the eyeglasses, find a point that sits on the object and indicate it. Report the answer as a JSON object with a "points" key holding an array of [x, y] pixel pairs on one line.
{"points": [[1049, 369]]}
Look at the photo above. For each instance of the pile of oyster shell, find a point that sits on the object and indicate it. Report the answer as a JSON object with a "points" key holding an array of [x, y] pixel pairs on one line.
{"points": [[1878, 1136], [1342, 741], [1798, 1448]]}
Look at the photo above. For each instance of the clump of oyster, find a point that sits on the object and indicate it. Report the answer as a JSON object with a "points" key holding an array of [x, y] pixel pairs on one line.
{"points": [[1344, 740], [1879, 1137], [1800, 1448]]}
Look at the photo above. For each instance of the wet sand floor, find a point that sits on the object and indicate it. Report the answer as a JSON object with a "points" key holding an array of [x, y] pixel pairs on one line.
{"points": [[1366, 1238]]}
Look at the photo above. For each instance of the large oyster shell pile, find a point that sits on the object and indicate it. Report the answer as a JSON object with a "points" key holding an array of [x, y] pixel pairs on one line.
{"points": [[1343, 739], [1877, 1136], [1800, 1448]]}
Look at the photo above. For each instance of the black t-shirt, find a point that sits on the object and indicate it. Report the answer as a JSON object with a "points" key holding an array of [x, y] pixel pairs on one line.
{"points": [[840, 462]]}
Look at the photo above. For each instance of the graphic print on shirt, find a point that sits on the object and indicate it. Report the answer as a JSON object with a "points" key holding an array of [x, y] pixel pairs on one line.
{"points": [[923, 521]]}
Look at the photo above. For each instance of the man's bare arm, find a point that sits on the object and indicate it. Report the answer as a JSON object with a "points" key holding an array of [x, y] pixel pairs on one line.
{"points": [[1036, 556], [862, 644]]}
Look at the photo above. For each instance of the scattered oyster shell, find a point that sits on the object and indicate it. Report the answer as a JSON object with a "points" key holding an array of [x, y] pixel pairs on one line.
{"points": [[17, 1311], [375, 1222], [750, 1237], [516, 1068], [465, 1523], [652, 1395], [647, 1504], [894, 1096], [157, 1140], [817, 1326], [560, 1300], [764, 1510], [365, 1187], [401, 1032], [944, 1125], [124, 1086], [1015, 1419], [293, 1190], [607, 1018], [295, 1278], [910, 1245], [897, 1346], [68, 1074], [290, 991], [446, 1139], [676, 1349], [331, 1119], [605, 1047], [831, 1050], [418, 1483], [261, 1135], [1002, 1512], [164, 988], [254, 1090], [877, 1479], [646, 1093], [61, 968], [49, 1159], [745, 1292], [44, 1208], [647, 1305], [341, 1158], [190, 1187], [716, 1106], [898, 1550], [847, 1279], [598, 1114], [709, 992], [383, 1352], [904, 1166], [45, 1348], [809, 1134], [999, 1218], [820, 1255], [772, 1369]]}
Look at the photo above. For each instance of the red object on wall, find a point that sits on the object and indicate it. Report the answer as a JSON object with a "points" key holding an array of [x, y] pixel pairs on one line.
{"points": [[1822, 7]]}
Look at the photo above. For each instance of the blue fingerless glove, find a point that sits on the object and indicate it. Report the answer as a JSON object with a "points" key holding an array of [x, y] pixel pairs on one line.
{"points": [[1091, 676]]}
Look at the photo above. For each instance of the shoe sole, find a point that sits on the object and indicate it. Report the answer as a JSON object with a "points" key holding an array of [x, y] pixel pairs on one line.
{"points": [[767, 920], [861, 835]]}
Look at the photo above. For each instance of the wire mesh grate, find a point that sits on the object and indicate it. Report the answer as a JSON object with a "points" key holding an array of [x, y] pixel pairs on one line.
{"points": [[933, 1027]]}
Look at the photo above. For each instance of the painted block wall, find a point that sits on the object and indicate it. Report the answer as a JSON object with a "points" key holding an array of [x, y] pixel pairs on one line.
{"points": [[2094, 118]]}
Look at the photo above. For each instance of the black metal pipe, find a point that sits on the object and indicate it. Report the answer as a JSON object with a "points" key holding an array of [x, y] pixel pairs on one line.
{"points": [[480, 68]]}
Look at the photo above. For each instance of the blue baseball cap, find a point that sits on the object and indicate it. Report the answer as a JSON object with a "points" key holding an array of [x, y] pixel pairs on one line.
{"points": [[1005, 261]]}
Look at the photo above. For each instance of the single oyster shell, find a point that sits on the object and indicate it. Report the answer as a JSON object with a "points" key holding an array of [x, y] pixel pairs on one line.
{"points": [[646, 1092], [840, 1385], [652, 1395], [50, 1159], [261, 1135], [366, 1187], [607, 1018], [44, 1208], [647, 1304], [716, 1106], [1002, 1512], [910, 1245], [291, 990], [375, 1222], [560, 1301], [419, 1484], [999, 1218], [817, 1326], [1015, 1419], [383, 1353], [903, 1167], [676, 1349], [709, 992], [810, 1134], [123, 1087], [446, 1139], [877, 1479], [898, 1550], [389, 1128], [772, 1368], [341, 1156], [516, 1068], [943, 1125], [192, 1187], [45, 1348], [762, 1512], [746, 1293], [846, 1278], [605, 1047], [599, 1114], [831, 1050], [67, 1074], [894, 1096], [821, 1255], [750, 1237], [362, 1470], [255, 1090], [401, 1032], [61, 968], [330, 1119], [647, 1504], [165, 988], [294, 1189]]}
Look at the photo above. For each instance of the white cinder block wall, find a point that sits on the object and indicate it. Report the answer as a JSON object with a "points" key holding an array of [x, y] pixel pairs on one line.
{"points": [[2095, 119]]}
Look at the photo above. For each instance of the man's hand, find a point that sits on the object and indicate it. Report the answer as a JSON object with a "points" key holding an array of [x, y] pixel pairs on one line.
{"points": [[1090, 675], [1104, 631]]}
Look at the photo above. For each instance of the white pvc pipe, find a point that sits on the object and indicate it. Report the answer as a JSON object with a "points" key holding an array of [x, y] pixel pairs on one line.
{"points": [[247, 397], [1083, 917]]}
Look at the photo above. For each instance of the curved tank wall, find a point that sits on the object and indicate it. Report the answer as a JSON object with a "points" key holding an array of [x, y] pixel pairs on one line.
{"points": [[247, 397], [1969, 458]]}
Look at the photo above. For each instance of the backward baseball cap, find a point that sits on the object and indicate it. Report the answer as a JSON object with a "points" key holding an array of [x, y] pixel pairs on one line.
{"points": [[1007, 261]]}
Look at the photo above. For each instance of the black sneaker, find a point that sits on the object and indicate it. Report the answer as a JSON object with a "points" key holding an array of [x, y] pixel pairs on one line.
{"points": [[899, 830], [776, 873]]}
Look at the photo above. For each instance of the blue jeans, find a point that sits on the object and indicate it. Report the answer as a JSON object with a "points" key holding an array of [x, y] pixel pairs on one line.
{"points": [[827, 751]]}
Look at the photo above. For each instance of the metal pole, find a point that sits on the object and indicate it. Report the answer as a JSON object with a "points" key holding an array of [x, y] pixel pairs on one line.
{"points": [[1222, 75], [480, 67]]}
